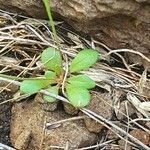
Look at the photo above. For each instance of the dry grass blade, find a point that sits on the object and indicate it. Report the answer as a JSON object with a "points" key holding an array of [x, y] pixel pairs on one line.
{"points": [[96, 146], [145, 106], [5, 147], [131, 51], [136, 102], [65, 120], [142, 81]]}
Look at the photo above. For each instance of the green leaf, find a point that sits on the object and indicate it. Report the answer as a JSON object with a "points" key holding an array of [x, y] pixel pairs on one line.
{"points": [[51, 89], [82, 81], [33, 86], [78, 96], [50, 75], [83, 60], [52, 60]]}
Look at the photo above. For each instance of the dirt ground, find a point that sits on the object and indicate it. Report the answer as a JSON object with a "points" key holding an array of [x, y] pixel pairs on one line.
{"points": [[5, 115]]}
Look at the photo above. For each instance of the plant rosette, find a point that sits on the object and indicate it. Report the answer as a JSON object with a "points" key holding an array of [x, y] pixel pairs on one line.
{"points": [[77, 85]]}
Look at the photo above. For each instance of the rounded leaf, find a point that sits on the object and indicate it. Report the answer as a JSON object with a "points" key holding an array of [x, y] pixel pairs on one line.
{"points": [[51, 89], [82, 81], [77, 96], [83, 60], [33, 86], [52, 60]]}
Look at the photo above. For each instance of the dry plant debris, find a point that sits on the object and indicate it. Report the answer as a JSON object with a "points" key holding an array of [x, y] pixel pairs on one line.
{"points": [[119, 97]]}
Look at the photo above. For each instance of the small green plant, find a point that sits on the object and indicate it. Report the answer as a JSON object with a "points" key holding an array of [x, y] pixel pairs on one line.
{"points": [[76, 86]]}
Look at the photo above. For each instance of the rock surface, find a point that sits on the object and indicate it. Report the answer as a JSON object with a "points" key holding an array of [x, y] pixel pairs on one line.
{"points": [[123, 144], [27, 128], [101, 105], [143, 136], [125, 110], [116, 23]]}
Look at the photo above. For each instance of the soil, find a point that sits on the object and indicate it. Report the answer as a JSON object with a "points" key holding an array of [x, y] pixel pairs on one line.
{"points": [[5, 116]]}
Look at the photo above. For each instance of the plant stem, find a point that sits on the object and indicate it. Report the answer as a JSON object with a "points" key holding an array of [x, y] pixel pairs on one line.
{"points": [[51, 24]]}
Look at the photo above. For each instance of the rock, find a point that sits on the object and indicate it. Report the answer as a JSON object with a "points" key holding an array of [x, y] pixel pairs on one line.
{"points": [[123, 144], [22, 140], [28, 128], [145, 88], [125, 110], [100, 105], [8, 87], [78, 10], [29, 7], [92, 125], [143, 136], [118, 24], [122, 107], [111, 135]]}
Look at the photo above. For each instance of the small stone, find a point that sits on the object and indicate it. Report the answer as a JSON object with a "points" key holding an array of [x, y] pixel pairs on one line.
{"points": [[10, 87], [111, 135], [141, 135], [123, 144], [23, 139], [92, 125], [125, 109], [146, 87], [100, 105]]}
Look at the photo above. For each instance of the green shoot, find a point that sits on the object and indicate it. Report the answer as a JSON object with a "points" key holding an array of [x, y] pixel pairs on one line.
{"points": [[51, 22]]}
